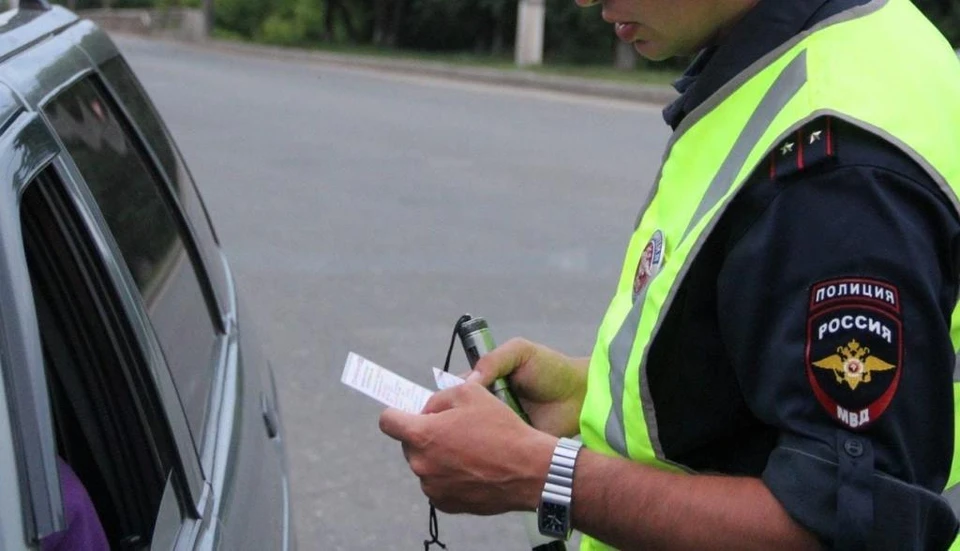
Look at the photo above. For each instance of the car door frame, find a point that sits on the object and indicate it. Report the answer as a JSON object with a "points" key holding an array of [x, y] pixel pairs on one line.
{"points": [[26, 148]]}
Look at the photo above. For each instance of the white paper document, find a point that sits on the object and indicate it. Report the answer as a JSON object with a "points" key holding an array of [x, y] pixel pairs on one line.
{"points": [[445, 379], [383, 385]]}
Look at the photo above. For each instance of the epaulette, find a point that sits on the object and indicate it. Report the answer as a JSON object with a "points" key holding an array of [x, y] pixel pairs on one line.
{"points": [[810, 146]]}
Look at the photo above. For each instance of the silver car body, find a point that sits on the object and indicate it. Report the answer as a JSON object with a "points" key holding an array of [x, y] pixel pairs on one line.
{"points": [[230, 486]]}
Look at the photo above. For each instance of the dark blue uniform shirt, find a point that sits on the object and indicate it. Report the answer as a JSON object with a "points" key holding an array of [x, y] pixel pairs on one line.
{"points": [[809, 343]]}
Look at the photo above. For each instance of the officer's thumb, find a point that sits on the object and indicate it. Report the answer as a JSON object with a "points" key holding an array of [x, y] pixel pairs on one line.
{"points": [[480, 376], [486, 371], [499, 362]]}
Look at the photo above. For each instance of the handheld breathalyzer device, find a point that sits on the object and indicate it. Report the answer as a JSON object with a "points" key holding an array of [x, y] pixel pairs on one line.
{"points": [[477, 341]]}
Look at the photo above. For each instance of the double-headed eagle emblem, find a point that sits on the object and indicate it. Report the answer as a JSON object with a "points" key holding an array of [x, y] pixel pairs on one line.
{"points": [[854, 364]]}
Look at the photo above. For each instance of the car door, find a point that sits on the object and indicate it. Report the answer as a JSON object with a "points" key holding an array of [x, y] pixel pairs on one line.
{"points": [[40, 74], [241, 442], [75, 365], [206, 429], [111, 425], [222, 379]]}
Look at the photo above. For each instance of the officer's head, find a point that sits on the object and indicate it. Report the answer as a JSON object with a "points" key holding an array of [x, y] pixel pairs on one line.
{"points": [[665, 28]]}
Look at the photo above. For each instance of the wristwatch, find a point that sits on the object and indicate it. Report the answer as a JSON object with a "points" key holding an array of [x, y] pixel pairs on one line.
{"points": [[556, 499]]}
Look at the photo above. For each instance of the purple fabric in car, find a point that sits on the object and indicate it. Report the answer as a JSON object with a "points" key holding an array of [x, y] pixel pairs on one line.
{"points": [[83, 532]]}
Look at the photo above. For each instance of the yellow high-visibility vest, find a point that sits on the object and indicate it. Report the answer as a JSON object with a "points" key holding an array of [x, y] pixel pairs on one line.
{"points": [[905, 91]]}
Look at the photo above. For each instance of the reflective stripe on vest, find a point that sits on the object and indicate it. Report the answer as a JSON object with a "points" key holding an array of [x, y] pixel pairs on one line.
{"points": [[716, 149], [784, 88]]}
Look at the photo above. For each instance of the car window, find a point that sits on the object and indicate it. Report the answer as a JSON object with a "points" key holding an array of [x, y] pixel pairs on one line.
{"points": [[111, 433], [148, 233], [119, 75]]}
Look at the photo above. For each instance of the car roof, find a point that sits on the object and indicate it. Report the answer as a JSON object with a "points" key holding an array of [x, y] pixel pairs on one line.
{"points": [[21, 29], [42, 49], [33, 22]]}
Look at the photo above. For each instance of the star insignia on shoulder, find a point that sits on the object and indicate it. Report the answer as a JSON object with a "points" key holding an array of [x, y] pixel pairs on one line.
{"points": [[810, 144]]}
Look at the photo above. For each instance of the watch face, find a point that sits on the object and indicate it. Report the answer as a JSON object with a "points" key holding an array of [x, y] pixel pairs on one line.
{"points": [[553, 519]]}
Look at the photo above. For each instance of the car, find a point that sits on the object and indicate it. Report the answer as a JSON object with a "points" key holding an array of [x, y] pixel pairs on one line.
{"points": [[126, 354]]}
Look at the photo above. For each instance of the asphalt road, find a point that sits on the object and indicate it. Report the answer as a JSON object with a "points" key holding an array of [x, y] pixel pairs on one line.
{"points": [[365, 212]]}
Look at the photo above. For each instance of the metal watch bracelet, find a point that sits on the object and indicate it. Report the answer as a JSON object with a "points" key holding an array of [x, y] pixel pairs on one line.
{"points": [[556, 499]]}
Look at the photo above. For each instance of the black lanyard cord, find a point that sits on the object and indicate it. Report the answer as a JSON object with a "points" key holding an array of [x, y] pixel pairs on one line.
{"points": [[434, 531], [434, 527]]}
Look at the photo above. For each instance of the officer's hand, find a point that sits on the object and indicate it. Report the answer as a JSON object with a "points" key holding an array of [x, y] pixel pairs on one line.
{"points": [[472, 453], [549, 385]]}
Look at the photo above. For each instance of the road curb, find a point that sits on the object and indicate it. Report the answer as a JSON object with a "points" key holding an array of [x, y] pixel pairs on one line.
{"points": [[645, 93]]}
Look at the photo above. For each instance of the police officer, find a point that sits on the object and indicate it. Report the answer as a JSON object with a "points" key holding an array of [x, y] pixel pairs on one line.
{"points": [[776, 368]]}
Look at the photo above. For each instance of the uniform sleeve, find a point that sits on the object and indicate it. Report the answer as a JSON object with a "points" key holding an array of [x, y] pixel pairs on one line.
{"points": [[835, 302]]}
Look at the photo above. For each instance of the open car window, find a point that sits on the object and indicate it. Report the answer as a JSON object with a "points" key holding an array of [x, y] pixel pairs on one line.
{"points": [[109, 423]]}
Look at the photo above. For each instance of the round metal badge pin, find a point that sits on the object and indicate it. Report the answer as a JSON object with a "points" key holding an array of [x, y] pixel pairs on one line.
{"points": [[651, 260]]}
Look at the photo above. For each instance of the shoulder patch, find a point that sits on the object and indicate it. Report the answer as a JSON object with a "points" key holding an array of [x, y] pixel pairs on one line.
{"points": [[854, 348], [807, 147]]}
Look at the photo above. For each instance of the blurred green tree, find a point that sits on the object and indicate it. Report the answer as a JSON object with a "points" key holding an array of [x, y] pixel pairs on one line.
{"points": [[242, 17], [572, 34], [293, 22]]}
